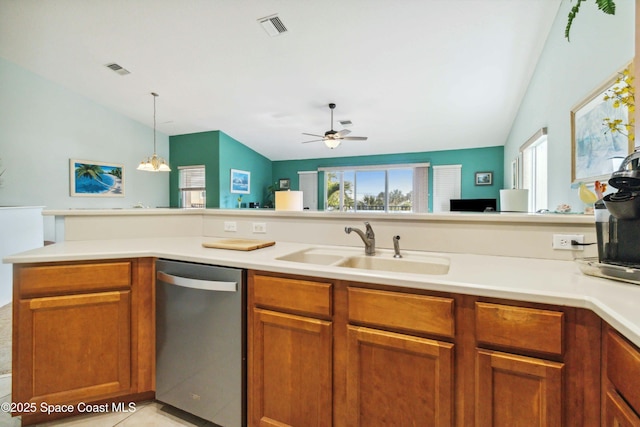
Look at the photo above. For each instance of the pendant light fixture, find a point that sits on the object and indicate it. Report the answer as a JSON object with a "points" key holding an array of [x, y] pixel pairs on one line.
{"points": [[154, 163]]}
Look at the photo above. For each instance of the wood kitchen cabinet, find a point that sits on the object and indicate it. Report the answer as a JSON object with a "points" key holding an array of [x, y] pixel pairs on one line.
{"points": [[374, 355], [82, 332], [397, 379], [617, 413], [289, 352], [393, 376], [536, 365], [516, 390], [513, 389], [620, 373]]}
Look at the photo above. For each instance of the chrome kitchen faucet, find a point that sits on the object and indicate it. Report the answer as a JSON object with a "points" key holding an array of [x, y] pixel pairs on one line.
{"points": [[369, 238]]}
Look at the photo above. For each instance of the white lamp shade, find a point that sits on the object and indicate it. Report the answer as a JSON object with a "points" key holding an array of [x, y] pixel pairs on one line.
{"points": [[332, 143], [516, 200], [288, 200]]}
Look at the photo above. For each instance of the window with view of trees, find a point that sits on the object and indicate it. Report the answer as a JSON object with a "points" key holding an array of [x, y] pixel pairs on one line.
{"points": [[379, 188]]}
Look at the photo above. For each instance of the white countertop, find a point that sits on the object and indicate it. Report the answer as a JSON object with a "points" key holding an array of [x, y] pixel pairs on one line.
{"points": [[524, 279]]}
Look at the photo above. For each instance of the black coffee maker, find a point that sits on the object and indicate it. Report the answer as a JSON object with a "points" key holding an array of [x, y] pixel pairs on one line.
{"points": [[618, 227]]}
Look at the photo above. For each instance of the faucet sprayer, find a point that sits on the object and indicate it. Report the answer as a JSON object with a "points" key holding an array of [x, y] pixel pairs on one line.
{"points": [[396, 247]]}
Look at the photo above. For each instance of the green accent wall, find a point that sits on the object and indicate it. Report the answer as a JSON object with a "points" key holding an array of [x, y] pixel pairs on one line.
{"points": [[235, 155], [219, 153], [486, 159], [195, 149]]}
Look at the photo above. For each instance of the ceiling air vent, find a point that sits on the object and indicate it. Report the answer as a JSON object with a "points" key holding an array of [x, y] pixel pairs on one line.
{"points": [[272, 25], [345, 122], [118, 69]]}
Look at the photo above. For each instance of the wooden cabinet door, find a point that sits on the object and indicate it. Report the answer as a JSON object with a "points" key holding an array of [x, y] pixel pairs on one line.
{"points": [[618, 413], [73, 347], [290, 370], [517, 391], [398, 380]]}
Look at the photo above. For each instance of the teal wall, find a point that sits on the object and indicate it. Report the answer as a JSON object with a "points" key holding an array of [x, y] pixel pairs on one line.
{"points": [[235, 155], [219, 153], [472, 160], [196, 149]]}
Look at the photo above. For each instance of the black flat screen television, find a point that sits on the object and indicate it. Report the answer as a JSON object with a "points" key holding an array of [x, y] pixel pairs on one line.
{"points": [[473, 205]]}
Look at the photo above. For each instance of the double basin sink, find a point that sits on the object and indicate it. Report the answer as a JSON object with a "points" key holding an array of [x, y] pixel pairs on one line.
{"points": [[383, 260]]}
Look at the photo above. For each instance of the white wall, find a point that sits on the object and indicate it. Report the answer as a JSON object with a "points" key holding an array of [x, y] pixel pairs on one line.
{"points": [[21, 229], [568, 72], [43, 125], [504, 234]]}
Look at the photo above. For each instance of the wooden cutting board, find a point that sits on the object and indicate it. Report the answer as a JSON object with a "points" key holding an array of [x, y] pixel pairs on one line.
{"points": [[239, 244]]}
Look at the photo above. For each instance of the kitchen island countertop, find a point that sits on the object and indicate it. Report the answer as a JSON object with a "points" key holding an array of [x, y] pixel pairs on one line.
{"points": [[524, 279]]}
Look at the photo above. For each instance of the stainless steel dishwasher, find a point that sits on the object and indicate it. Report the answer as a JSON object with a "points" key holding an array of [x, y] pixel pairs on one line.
{"points": [[200, 335]]}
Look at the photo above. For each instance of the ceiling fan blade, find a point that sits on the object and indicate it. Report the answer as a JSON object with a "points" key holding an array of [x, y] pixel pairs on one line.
{"points": [[355, 138], [313, 140], [343, 132], [313, 134]]}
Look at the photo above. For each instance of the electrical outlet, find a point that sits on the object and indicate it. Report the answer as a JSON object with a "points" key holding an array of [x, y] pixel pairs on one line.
{"points": [[259, 227], [230, 226], [563, 242]]}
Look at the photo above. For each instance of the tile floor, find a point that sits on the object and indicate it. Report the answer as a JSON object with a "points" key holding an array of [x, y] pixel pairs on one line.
{"points": [[147, 414]]}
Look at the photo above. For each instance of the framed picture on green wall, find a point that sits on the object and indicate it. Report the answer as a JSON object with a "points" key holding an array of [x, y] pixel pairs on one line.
{"points": [[284, 183], [240, 181], [484, 178]]}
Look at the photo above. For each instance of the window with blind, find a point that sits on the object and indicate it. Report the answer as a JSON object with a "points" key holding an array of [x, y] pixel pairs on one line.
{"points": [[192, 186], [384, 188], [446, 186]]}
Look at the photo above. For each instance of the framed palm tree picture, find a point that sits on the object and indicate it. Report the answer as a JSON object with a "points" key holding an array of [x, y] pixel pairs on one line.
{"points": [[89, 178]]}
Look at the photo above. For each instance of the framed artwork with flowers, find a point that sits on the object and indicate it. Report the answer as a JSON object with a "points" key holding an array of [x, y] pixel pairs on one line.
{"points": [[602, 130]]}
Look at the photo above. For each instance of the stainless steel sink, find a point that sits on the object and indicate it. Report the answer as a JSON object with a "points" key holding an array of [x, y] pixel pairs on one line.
{"points": [[415, 264]]}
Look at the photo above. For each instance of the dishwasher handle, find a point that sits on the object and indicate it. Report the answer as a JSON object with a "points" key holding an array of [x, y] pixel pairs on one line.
{"points": [[207, 285]]}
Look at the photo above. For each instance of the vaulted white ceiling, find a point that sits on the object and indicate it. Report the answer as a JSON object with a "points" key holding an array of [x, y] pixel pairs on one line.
{"points": [[412, 75]]}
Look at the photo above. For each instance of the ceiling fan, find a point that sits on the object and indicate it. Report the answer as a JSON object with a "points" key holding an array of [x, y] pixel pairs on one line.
{"points": [[333, 138]]}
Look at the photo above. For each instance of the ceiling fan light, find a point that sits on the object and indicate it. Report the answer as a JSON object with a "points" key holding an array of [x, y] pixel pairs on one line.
{"points": [[332, 139], [332, 143]]}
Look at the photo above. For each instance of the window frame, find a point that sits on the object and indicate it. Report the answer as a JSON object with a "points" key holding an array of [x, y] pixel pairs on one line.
{"points": [[182, 190], [341, 170], [534, 159]]}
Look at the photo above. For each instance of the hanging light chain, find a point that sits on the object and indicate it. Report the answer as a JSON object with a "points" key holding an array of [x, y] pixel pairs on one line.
{"points": [[154, 163], [155, 95]]}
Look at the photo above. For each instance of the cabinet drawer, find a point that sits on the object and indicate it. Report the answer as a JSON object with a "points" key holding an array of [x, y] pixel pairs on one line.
{"points": [[520, 328], [73, 278], [406, 312], [299, 296], [623, 368]]}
